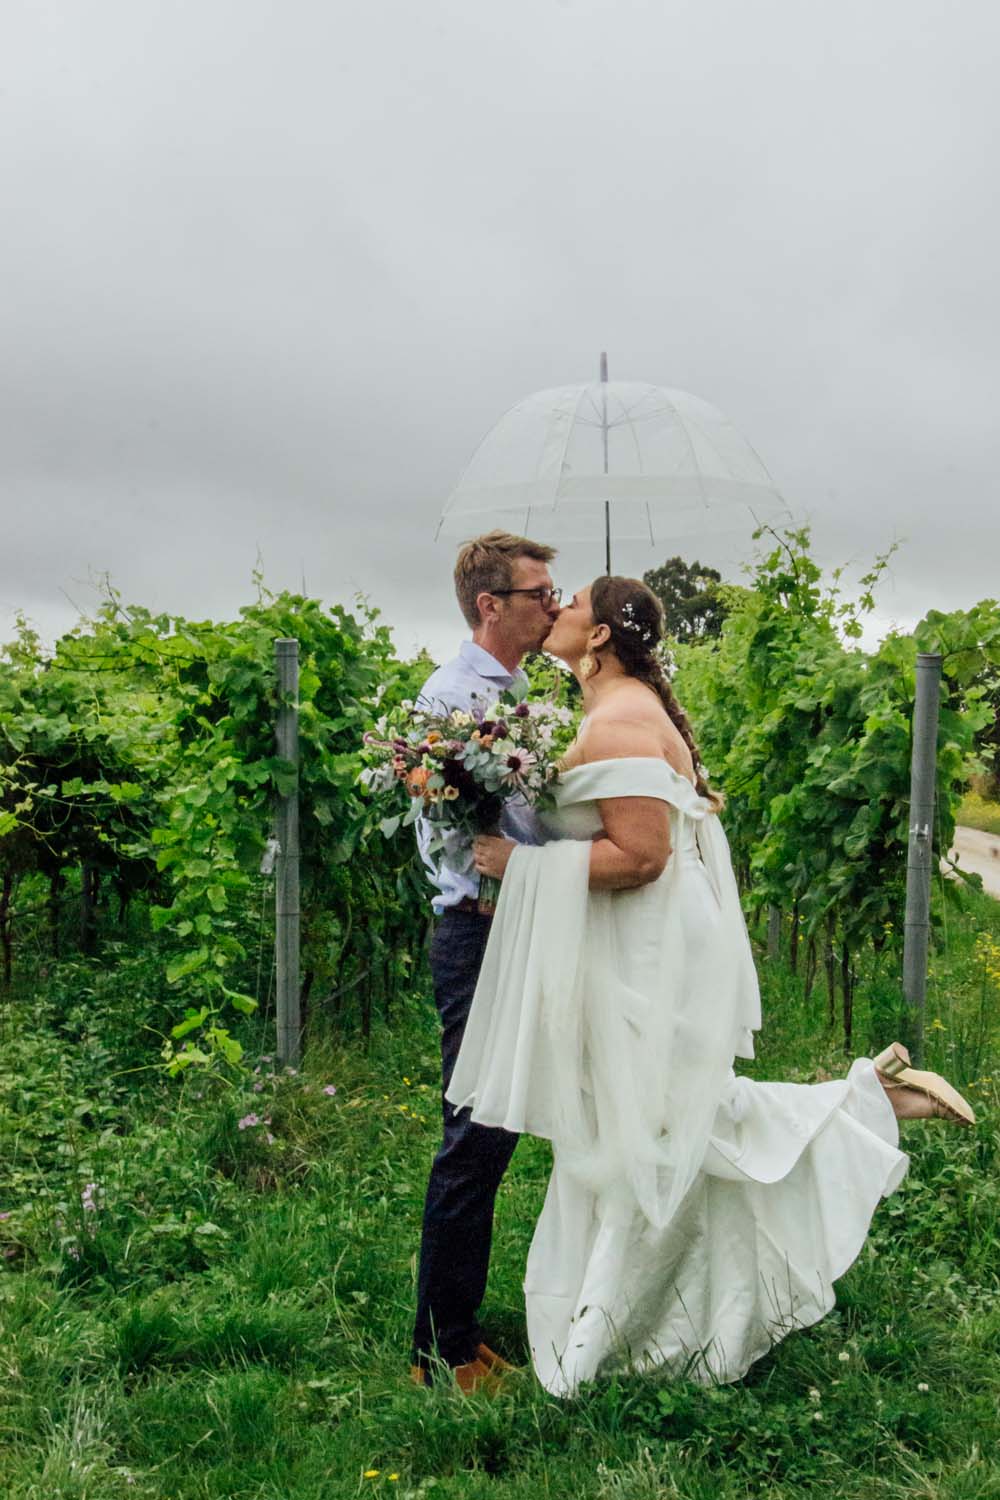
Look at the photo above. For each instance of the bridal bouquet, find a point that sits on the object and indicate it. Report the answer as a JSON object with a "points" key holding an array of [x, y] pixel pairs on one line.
{"points": [[458, 769]]}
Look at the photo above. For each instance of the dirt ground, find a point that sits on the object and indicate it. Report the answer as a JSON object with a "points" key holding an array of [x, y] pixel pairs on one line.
{"points": [[979, 853]]}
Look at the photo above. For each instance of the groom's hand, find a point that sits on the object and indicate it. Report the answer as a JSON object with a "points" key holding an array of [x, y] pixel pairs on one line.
{"points": [[490, 854]]}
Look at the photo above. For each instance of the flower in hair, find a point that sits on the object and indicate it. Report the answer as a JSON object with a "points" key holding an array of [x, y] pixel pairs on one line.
{"points": [[629, 622]]}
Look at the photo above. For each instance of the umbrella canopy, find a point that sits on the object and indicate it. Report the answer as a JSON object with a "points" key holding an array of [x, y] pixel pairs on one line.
{"points": [[640, 460]]}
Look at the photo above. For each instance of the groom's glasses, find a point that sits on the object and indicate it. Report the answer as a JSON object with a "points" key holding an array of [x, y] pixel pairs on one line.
{"points": [[545, 597]]}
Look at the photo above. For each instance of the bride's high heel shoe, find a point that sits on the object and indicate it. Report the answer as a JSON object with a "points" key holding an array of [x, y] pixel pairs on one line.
{"points": [[893, 1068]]}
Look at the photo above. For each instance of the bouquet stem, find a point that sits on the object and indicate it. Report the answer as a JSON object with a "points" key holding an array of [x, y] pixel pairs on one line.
{"points": [[489, 894]]}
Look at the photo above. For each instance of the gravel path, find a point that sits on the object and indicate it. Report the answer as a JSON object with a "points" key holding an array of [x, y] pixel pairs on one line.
{"points": [[979, 853]]}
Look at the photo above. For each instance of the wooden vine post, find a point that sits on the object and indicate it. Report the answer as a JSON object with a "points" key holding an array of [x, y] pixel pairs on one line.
{"points": [[286, 885], [920, 849]]}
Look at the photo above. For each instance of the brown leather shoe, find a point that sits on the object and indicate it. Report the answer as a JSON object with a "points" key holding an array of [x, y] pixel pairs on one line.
{"points": [[494, 1361], [475, 1376]]}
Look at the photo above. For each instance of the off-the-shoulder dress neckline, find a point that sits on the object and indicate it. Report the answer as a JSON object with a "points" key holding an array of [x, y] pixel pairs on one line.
{"points": [[655, 760]]}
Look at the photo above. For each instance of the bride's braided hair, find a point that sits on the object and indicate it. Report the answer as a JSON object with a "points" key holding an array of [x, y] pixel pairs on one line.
{"points": [[634, 616]]}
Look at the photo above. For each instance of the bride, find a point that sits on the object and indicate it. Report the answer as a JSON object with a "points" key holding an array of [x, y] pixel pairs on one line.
{"points": [[692, 1218]]}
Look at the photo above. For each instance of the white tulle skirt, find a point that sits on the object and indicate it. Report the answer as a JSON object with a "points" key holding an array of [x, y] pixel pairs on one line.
{"points": [[781, 1209]]}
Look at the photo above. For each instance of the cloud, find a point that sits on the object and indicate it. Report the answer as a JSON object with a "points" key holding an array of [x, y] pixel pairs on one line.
{"points": [[271, 273]]}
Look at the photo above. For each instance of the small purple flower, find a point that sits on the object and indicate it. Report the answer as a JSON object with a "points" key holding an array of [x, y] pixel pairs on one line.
{"points": [[522, 711], [258, 1087], [330, 1089], [87, 1200], [248, 1122], [9, 1214]]}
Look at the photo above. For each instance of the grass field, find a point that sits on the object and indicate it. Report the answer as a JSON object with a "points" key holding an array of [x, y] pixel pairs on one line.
{"points": [[978, 812], [189, 1309]]}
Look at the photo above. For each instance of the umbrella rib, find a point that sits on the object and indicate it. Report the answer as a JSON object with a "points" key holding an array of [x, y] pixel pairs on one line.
{"points": [[694, 457], [626, 421], [729, 466], [584, 391]]}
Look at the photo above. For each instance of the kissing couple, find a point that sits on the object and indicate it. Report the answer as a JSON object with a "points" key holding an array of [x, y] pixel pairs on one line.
{"points": [[693, 1218]]}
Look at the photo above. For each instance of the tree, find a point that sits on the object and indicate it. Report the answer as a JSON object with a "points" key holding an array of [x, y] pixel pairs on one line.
{"points": [[693, 608]]}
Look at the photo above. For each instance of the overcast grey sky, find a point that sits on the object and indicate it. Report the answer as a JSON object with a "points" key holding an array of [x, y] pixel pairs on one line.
{"points": [[269, 271]]}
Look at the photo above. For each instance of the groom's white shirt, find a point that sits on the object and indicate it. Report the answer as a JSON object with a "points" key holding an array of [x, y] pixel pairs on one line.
{"points": [[473, 673]]}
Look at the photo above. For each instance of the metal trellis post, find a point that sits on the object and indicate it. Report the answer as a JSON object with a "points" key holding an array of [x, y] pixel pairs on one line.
{"points": [[920, 851], [286, 885]]}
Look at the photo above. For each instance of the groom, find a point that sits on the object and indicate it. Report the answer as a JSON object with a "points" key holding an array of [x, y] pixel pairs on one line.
{"points": [[505, 592]]}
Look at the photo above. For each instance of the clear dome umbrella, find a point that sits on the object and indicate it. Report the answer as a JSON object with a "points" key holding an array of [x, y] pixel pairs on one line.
{"points": [[641, 461]]}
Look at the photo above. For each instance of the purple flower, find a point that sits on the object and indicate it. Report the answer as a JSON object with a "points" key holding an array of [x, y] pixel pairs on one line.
{"points": [[248, 1122], [522, 711], [7, 1215], [258, 1088], [87, 1198], [330, 1089]]}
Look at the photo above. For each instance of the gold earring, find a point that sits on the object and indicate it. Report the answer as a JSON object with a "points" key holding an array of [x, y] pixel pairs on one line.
{"points": [[588, 665]]}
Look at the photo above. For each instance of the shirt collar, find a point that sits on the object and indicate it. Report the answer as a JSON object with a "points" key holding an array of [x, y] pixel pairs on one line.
{"points": [[486, 665]]}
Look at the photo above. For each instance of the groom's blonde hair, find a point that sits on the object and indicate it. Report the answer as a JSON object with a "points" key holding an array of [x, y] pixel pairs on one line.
{"points": [[485, 565]]}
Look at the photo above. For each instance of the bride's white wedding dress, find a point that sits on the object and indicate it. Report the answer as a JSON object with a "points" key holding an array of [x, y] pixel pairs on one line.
{"points": [[692, 1218]]}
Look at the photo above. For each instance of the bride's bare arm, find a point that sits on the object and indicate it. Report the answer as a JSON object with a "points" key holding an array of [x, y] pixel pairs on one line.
{"points": [[636, 843]]}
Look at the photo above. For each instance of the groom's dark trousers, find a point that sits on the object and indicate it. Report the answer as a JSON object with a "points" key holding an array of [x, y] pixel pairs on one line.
{"points": [[458, 1211]]}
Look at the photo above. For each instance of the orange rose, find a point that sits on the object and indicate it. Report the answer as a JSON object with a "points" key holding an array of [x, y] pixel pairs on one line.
{"points": [[417, 780]]}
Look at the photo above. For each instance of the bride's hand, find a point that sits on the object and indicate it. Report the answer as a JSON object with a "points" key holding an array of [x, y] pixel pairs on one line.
{"points": [[490, 854]]}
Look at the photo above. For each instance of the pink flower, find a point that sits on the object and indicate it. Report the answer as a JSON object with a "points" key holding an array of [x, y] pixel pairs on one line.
{"points": [[330, 1089], [248, 1122]]}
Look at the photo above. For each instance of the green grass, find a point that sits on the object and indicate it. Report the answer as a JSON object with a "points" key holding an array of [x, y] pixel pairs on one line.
{"points": [[232, 1319], [979, 812]]}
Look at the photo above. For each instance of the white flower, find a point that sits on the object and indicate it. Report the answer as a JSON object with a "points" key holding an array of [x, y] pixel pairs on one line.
{"points": [[814, 1394], [923, 1386], [843, 1356], [459, 718], [516, 767]]}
